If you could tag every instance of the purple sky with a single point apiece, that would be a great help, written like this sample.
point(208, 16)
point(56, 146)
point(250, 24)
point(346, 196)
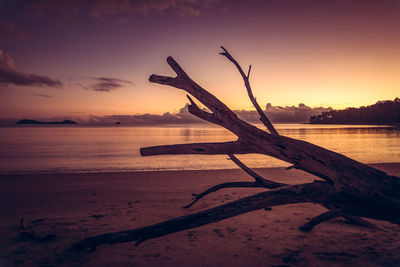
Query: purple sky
point(71, 59)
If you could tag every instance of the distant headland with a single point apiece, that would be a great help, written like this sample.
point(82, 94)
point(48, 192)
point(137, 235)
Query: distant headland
point(381, 113)
point(25, 121)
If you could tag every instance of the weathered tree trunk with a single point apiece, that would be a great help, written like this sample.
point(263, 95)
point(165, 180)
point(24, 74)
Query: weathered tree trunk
point(350, 189)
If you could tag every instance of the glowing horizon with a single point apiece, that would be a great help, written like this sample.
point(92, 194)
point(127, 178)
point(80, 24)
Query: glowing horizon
point(95, 60)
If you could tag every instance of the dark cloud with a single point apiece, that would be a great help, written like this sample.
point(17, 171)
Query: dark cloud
point(288, 114)
point(277, 114)
point(83, 86)
point(42, 95)
point(119, 8)
point(9, 30)
point(9, 75)
point(292, 114)
point(107, 84)
point(105, 87)
point(181, 117)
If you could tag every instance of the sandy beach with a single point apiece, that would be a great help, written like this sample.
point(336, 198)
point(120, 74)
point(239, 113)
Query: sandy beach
point(61, 209)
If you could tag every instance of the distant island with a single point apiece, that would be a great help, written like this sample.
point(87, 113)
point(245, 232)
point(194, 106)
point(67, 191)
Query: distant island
point(25, 121)
point(382, 112)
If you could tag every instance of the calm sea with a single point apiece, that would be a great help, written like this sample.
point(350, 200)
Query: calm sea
point(104, 149)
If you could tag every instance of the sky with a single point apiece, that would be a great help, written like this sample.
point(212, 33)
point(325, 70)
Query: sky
point(79, 59)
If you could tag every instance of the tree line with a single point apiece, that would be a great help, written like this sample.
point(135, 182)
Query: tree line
point(382, 112)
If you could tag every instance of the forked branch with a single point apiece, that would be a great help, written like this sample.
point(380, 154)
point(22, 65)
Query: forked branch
point(320, 219)
point(259, 179)
point(331, 214)
point(259, 182)
point(183, 81)
point(264, 119)
point(197, 197)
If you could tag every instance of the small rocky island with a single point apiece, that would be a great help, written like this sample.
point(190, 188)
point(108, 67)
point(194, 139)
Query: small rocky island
point(25, 121)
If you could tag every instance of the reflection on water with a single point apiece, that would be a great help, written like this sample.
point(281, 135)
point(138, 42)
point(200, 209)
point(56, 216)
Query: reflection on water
point(84, 149)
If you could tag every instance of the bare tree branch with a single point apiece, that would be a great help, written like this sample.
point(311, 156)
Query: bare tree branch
point(236, 147)
point(259, 182)
point(195, 110)
point(334, 214)
point(264, 119)
point(320, 219)
point(360, 221)
point(183, 81)
point(259, 179)
point(222, 186)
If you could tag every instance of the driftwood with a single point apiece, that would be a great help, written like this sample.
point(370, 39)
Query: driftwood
point(347, 188)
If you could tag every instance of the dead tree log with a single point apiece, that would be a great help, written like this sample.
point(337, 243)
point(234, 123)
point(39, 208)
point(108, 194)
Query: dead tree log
point(349, 188)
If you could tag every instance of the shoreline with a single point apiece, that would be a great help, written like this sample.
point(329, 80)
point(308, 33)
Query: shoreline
point(62, 209)
point(375, 165)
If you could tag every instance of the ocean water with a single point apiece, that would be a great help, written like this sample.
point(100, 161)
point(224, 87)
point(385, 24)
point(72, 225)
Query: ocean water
point(105, 149)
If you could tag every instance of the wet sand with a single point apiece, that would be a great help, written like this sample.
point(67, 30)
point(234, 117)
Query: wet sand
point(60, 209)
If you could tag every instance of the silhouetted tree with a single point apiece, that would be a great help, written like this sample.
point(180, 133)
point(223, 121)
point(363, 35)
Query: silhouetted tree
point(383, 112)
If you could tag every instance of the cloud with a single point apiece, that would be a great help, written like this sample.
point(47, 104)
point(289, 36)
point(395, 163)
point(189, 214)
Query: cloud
point(107, 84)
point(289, 114)
point(143, 119)
point(9, 75)
point(9, 30)
point(277, 114)
point(42, 95)
point(119, 8)
point(83, 86)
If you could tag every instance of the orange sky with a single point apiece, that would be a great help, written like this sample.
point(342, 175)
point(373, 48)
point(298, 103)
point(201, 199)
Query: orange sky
point(319, 53)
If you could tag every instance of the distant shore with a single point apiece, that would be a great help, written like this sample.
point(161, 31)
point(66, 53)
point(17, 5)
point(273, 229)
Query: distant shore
point(35, 122)
point(60, 209)
point(34, 174)
point(372, 124)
